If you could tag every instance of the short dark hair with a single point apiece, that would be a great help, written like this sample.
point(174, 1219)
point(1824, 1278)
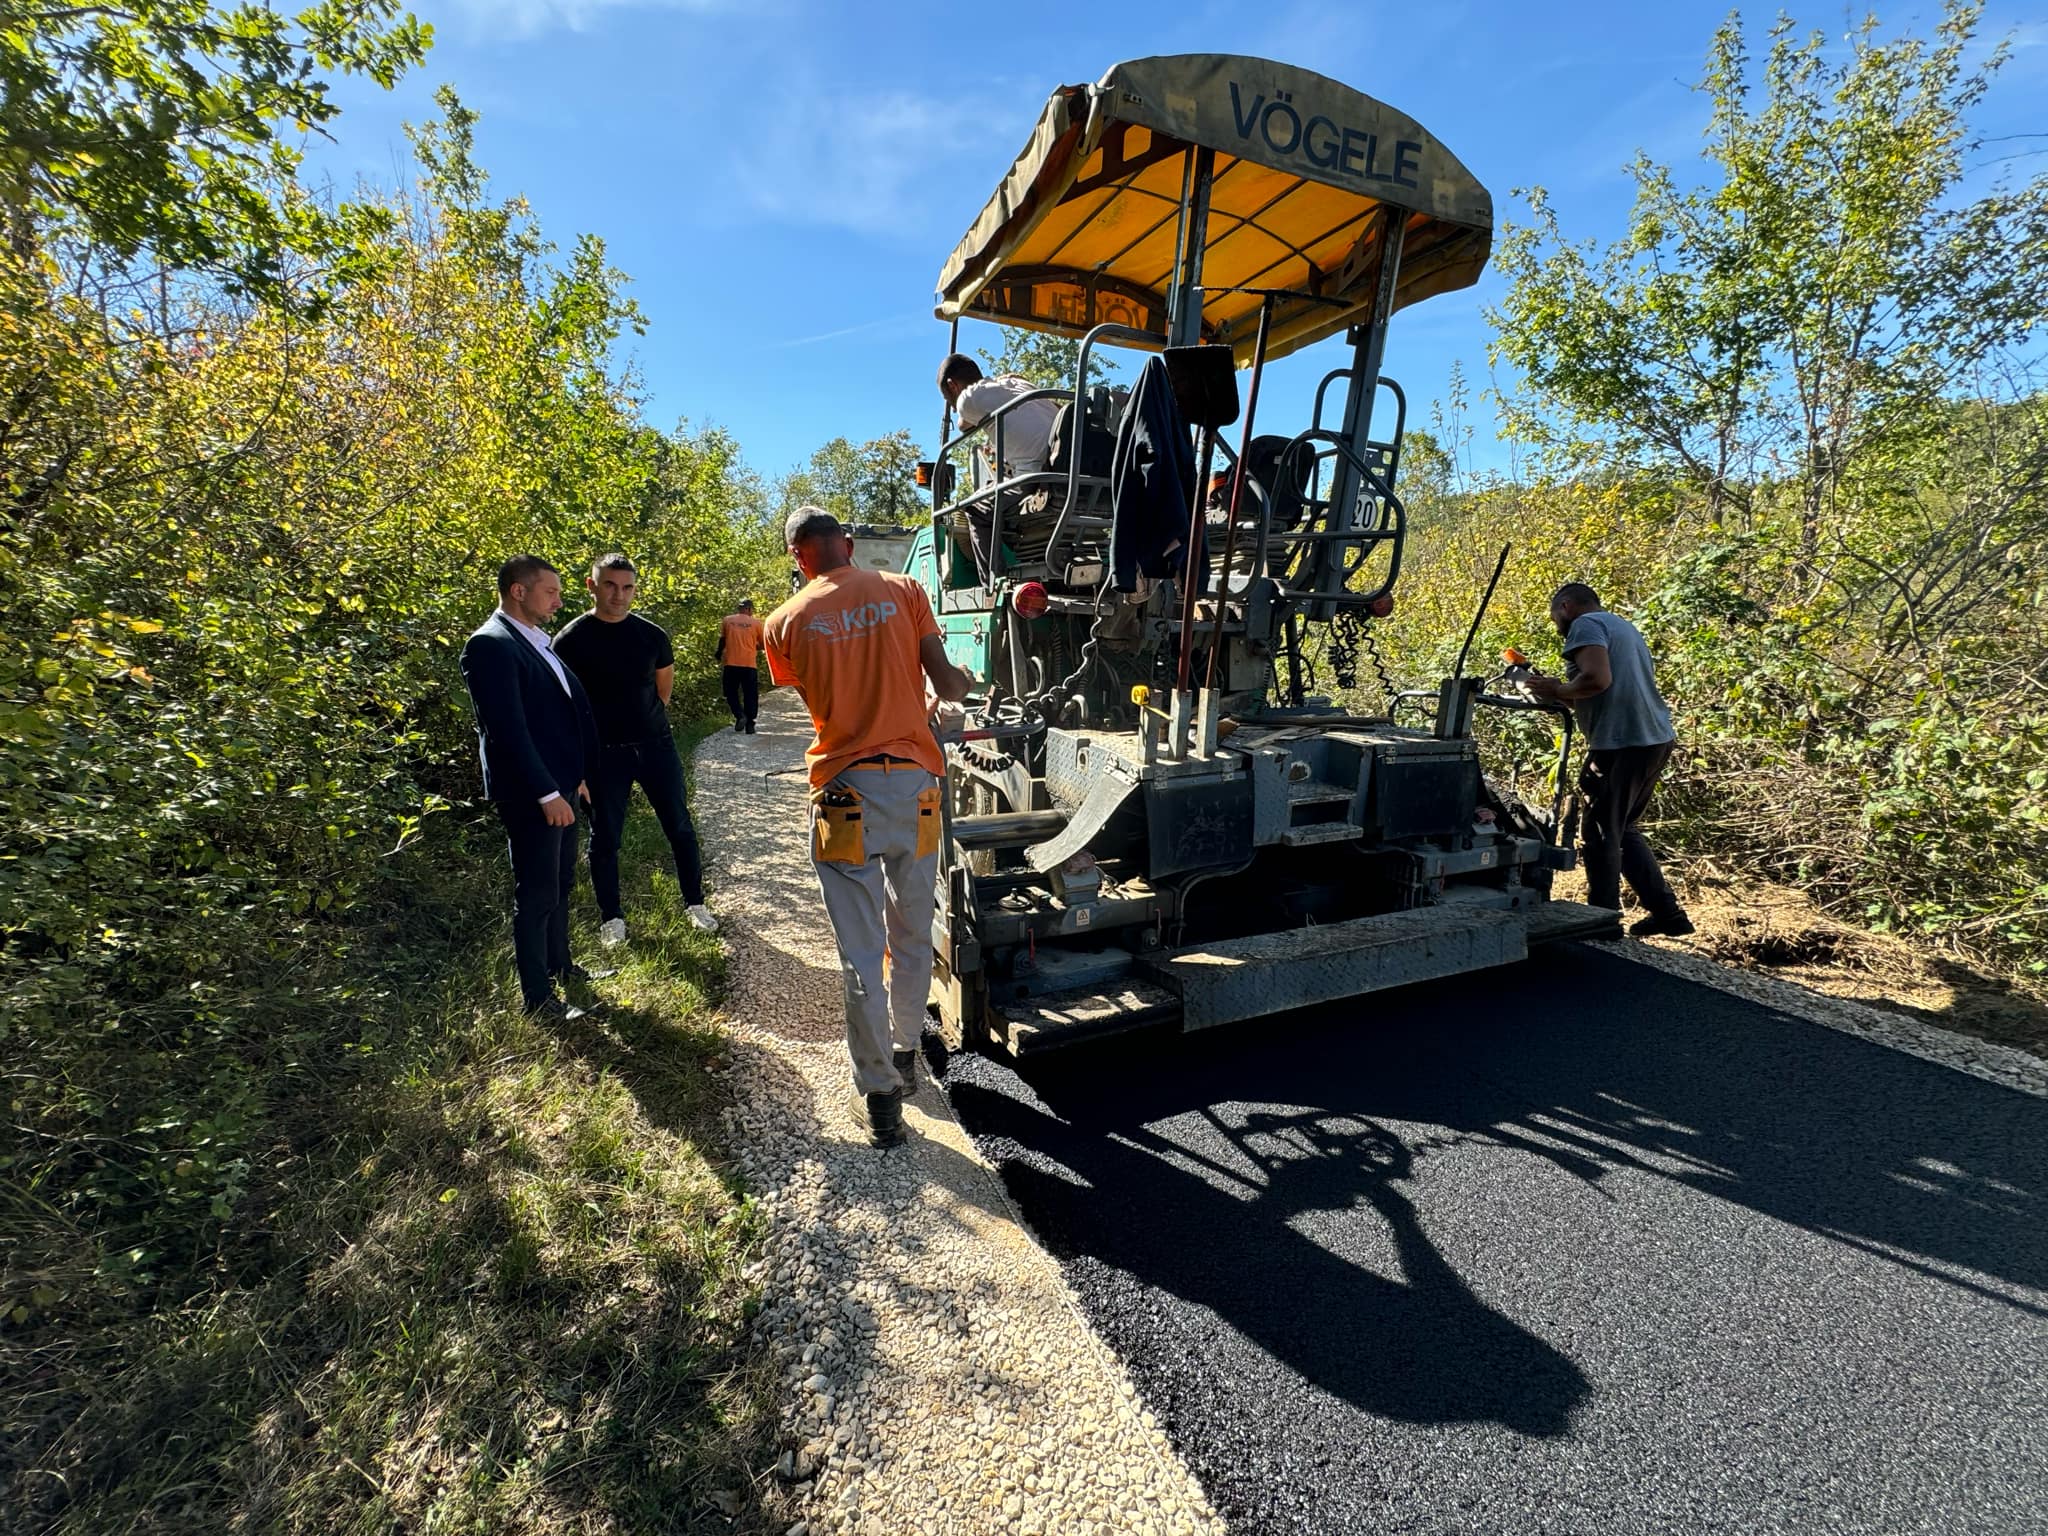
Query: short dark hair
point(613, 562)
point(1576, 592)
point(520, 570)
point(746, 603)
point(809, 523)
point(958, 366)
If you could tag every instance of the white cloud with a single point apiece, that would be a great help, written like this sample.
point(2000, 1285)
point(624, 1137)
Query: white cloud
point(529, 18)
point(865, 162)
point(865, 328)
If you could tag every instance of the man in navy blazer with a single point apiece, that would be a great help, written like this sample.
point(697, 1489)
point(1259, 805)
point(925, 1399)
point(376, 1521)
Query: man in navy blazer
point(538, 736)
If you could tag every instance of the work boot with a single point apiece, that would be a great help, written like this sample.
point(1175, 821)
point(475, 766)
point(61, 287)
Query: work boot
point(750, 727)
point(906, 1068)
point(739, 728)
point(1672, 925)
point(880, 1115)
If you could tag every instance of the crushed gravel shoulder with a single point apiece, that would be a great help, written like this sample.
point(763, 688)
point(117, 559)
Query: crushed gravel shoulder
point(937, 1374)
point(1995, 1063)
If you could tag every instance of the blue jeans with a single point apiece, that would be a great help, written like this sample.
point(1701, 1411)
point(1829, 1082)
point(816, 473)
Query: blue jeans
point(654, 766)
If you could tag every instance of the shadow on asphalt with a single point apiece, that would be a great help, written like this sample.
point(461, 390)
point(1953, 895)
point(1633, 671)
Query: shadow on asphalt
point(1197, 1164)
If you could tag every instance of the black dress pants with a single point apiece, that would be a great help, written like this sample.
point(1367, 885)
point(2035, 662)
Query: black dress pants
point(656, 768)
point(743, 694)
point(543, 874)
point(1616, 785)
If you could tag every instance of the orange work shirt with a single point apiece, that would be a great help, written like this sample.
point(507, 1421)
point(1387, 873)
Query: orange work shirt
point(741, 633)
point(849, 643)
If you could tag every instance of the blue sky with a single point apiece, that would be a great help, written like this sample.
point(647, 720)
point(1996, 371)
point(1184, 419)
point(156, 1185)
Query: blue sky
point(784, 178)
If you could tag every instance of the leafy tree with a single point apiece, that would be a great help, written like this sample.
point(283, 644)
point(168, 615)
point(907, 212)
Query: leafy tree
point(1805, 309)
point(1048, 361)
point(241, 540)
point(871, 482)
point(155, 125)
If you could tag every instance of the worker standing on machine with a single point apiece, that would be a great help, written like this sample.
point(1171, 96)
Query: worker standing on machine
point(859, 646)
point(1611, 685)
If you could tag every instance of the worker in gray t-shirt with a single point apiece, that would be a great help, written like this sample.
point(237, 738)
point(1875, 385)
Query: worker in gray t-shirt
point(1611, 686)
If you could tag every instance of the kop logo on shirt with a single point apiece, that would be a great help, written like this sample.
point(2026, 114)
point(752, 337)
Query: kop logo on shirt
point(850, 623)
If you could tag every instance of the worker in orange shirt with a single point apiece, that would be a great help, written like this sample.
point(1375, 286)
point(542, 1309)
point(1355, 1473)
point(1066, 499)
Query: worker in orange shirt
point(860, 646)
point(739, 646)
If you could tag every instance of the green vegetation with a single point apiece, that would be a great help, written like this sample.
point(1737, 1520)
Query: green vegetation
point(871, 482)
point(1048, 361)
point(298, 1229)
point(1793, 423)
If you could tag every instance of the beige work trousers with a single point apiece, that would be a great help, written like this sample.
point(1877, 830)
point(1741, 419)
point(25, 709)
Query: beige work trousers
point(881, 909)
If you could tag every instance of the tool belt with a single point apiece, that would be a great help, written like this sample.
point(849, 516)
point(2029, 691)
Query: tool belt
point(837, 836)
point(838, 820)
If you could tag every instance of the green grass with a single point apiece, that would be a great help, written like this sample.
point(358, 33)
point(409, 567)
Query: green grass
point(486, 1277)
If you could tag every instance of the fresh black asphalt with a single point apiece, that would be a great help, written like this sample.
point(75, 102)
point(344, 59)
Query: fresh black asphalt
point(1571, 1247)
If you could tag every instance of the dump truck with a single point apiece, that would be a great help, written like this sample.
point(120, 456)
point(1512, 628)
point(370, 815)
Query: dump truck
point(1157, 815)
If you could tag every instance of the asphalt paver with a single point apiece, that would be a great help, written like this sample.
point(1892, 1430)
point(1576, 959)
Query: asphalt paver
point(1575, 1246)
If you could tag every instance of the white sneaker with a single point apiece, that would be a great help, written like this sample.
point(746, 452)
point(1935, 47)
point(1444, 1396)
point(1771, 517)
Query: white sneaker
point(701, 919)
point(612, 933)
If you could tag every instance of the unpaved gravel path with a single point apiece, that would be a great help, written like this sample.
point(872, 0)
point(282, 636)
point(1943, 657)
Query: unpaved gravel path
point(938, 1376)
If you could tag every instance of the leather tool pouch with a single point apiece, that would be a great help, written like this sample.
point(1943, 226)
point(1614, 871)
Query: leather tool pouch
point(929, 821)
point(836, 832)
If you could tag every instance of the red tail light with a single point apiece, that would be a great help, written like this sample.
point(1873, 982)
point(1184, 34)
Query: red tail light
point(1031, 600)
point(1381, 606)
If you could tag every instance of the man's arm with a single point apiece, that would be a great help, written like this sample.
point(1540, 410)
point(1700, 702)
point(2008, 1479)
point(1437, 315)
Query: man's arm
point(1596, 676)
point(948, 681)
point(593, 744)
point(492, 677)
point(664, 659)
point(781, 672)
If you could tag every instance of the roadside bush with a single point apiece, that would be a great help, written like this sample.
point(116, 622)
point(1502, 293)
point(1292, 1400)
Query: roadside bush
point(242, 538)
point(1791, 422)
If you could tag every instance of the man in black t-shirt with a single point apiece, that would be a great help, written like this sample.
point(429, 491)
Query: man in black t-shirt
point(628, 668)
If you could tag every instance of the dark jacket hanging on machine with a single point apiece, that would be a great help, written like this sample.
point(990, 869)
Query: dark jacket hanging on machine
point(1151, 484)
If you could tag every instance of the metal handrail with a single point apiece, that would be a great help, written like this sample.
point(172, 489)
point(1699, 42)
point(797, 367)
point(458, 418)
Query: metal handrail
point(999, 484)
point(1076, 396)
point(1371, 482)
point(1107, 331)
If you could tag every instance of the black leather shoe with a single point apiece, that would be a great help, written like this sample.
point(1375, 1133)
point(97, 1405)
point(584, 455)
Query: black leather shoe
point(750, 727)
point(906, 1068)
point(880, 1115)
point(1672, 925)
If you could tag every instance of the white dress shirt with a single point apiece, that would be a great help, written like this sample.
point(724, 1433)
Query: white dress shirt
point(539, 641)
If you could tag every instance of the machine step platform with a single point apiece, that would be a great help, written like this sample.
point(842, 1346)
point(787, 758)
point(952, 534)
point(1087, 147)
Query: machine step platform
point(1265, 973)
point(1060, 1018)
point(1551, 921)
point(1221, 983)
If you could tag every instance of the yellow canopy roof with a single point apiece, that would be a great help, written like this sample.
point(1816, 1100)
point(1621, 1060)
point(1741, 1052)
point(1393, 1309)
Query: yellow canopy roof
point(1082, 229)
